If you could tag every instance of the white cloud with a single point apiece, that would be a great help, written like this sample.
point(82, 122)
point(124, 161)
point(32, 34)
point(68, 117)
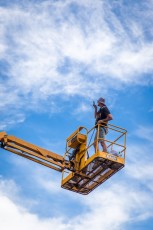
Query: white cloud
point(14, 216)
point(114, 207)
point(83, 108)
point(10, 120)
point(139, 166)
point(11, 190)
point(52, 54)
point(108, 208)
point(50, 182)
point(70, 48)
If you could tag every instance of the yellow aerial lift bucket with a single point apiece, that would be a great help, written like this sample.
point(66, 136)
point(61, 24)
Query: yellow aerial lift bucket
point(90, 167)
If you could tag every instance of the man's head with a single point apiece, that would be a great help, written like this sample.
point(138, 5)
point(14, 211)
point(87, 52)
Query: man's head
point(101, 101)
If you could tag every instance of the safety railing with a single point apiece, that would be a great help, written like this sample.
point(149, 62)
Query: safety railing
point(115, 139)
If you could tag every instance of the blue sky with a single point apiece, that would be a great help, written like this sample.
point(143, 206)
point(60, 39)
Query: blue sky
point(56, 57)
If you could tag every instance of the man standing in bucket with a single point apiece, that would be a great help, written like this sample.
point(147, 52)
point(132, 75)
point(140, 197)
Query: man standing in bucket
point(102, 117)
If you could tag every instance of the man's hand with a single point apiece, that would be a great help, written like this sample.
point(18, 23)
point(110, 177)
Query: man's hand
point(95, 106)
point(100, 121)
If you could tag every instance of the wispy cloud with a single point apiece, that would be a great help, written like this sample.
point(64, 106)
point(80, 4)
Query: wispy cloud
point(49, 53)
point(140, 165)
point(10, 119)
point(115, 203)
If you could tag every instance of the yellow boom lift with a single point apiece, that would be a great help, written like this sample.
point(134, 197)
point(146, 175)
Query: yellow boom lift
point(83, 166)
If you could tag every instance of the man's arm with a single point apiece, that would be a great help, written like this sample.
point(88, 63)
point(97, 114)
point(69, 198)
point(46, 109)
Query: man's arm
point(95, 113)
point(108, 118)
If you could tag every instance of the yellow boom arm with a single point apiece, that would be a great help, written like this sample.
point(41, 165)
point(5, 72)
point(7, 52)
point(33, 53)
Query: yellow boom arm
point(33, 152)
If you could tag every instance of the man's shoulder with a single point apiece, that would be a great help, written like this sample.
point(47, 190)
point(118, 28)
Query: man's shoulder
point(105, 109)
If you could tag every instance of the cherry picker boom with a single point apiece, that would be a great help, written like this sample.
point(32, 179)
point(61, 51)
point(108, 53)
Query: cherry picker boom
point(82, 171)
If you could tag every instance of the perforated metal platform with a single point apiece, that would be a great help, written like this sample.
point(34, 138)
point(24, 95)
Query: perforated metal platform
point(97, 170)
